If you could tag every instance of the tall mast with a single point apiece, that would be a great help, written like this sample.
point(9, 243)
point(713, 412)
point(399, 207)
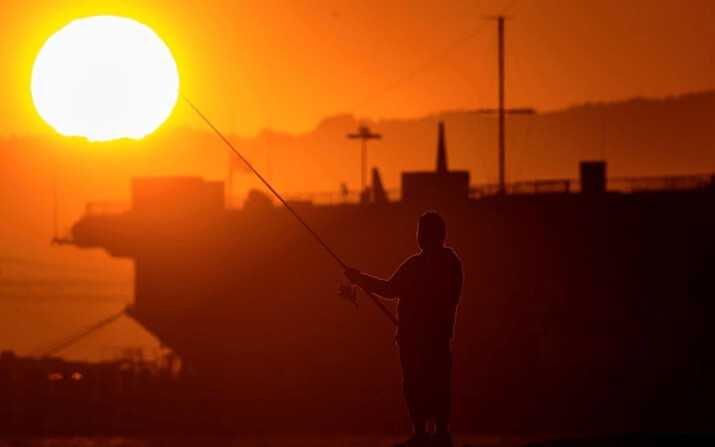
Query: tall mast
point(502, 111)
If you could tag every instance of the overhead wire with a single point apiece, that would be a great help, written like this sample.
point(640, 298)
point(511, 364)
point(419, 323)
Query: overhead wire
point(429, 62)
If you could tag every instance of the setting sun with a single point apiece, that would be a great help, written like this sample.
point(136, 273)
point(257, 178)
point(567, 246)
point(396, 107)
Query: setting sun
point(105, 78)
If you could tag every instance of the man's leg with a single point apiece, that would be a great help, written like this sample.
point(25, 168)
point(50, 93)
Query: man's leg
point(413, 386)
point(440, 378)
point(419, 425)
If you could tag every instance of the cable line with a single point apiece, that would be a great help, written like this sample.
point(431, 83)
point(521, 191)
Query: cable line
point(62, 345)
point(430, 62)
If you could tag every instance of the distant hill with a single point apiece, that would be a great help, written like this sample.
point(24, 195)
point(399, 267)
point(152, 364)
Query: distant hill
point(639, 137)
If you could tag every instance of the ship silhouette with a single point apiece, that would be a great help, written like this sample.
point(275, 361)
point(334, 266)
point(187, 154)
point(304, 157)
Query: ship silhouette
point(585, 309)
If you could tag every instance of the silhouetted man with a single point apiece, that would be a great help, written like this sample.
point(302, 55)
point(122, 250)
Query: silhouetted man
point(428, 285)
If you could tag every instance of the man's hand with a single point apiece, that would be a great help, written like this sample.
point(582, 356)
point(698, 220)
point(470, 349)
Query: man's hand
point(354, 275)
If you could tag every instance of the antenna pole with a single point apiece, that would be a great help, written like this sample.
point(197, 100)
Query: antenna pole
point(364, 134)
point(502, 111)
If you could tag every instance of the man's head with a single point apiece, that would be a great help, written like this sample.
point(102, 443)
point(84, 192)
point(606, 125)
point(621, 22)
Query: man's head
point(431, 231)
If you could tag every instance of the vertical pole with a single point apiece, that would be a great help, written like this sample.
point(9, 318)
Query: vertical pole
point(502, 187)
point(364, 164)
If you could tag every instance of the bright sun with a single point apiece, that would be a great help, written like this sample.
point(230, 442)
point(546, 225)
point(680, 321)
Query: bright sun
point(105, 78)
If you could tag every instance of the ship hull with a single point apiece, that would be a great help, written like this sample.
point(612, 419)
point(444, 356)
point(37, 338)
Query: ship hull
point(579, 312)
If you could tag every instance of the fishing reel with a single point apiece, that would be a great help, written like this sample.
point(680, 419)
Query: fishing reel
point(348, 291)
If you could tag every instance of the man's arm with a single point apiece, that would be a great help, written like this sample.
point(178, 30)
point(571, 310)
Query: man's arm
point(384, 288)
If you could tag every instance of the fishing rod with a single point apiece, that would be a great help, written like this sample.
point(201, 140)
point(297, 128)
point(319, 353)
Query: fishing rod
point(315, 235)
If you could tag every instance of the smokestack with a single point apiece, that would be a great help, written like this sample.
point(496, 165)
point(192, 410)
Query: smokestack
point(378, 191)
point(441, 151)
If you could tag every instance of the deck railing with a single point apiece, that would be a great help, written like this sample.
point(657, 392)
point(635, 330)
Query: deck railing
point(655, 184)
point(626, 185)
point(521, 188)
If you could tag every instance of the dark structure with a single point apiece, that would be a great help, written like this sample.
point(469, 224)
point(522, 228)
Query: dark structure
point(52, 396)
point(593, 177)
point(441, 186)
point(581, 311)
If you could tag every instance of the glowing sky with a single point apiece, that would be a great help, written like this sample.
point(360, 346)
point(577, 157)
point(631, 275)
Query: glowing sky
point(287, 65)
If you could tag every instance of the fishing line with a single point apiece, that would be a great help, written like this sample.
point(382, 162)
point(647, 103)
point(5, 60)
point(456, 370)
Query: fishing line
point(288, 207)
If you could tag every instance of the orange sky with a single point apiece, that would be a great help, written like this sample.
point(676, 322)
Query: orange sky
point(287, 65)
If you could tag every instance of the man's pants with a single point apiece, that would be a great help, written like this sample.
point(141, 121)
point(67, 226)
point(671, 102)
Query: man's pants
point(426, 379)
